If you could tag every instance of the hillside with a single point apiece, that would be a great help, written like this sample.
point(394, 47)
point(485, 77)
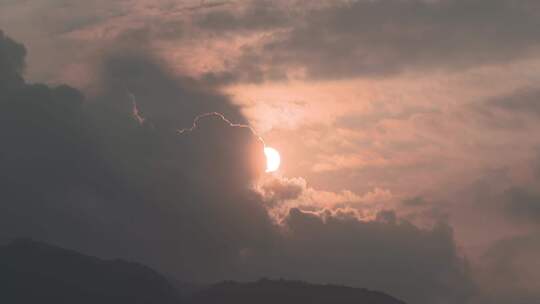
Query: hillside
point(287, 292)
point(33, 272)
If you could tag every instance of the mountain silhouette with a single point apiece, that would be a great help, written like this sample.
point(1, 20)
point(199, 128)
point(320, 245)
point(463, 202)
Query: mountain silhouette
point(35, 272)
point(287, 292)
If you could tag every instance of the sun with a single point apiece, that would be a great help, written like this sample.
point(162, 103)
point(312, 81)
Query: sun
point(272, 159)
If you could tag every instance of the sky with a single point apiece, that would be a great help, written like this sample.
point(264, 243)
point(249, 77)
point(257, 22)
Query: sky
point(406, 128)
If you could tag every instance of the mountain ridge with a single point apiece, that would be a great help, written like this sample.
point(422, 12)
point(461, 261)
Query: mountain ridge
point(32, 272)
point(266, 291)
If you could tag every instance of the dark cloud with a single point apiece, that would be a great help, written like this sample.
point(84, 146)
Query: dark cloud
point(255, 16)
point(524, 101)
point(522, 204)
point(167, 99)
point(248, 68)
point(11, 61)
point(233, 155)
point(509, 271)
point(535, 166)
point(414, 202)
point(78, 170)
point(378, 38)
point(385, 254)
point(321, 39)
point(137, 172)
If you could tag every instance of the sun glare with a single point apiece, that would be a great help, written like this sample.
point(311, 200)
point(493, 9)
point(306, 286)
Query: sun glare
point(272, 159)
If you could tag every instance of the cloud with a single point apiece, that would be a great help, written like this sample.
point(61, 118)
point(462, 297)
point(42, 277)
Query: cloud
point(11, 61)
point(178, 192)
point(522, 101)
point(233, 152)
point(79, 169)
point(345, 39)
point(282, 194)
point(282, 189)
point(252, 16)
point(123, 165)
point(384, 254)
point(162, 96)
point(254, 41)
point(414, 202)
point(522, 204)
point(509, 270)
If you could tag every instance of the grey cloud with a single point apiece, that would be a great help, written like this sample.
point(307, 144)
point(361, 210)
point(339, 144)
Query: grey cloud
point(536, 165)
point(12, 56)
point(415, 201)
point(163, 97)
point(509, 272)
point(378, 38)
point(255, 16)
point(248, 68)
point(386, 254)
point(88, 175)
point(75, 171)
point(522, 204)
point(386, 216)
point(524, 101)
point(235, 153)
point(328, 40)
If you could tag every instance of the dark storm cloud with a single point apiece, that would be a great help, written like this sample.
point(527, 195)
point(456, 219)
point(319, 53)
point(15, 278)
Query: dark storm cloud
point(522, 204)
point(385, 254)
point(332, 245)
point(161, 96)
point(376, 38)
point(89, 175)
point(323, 39)
point(11, 61)
point(138, 173)
point(224, 155)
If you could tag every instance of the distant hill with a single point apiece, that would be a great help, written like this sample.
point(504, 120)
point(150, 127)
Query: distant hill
point(33, 272)
point(287, 292)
